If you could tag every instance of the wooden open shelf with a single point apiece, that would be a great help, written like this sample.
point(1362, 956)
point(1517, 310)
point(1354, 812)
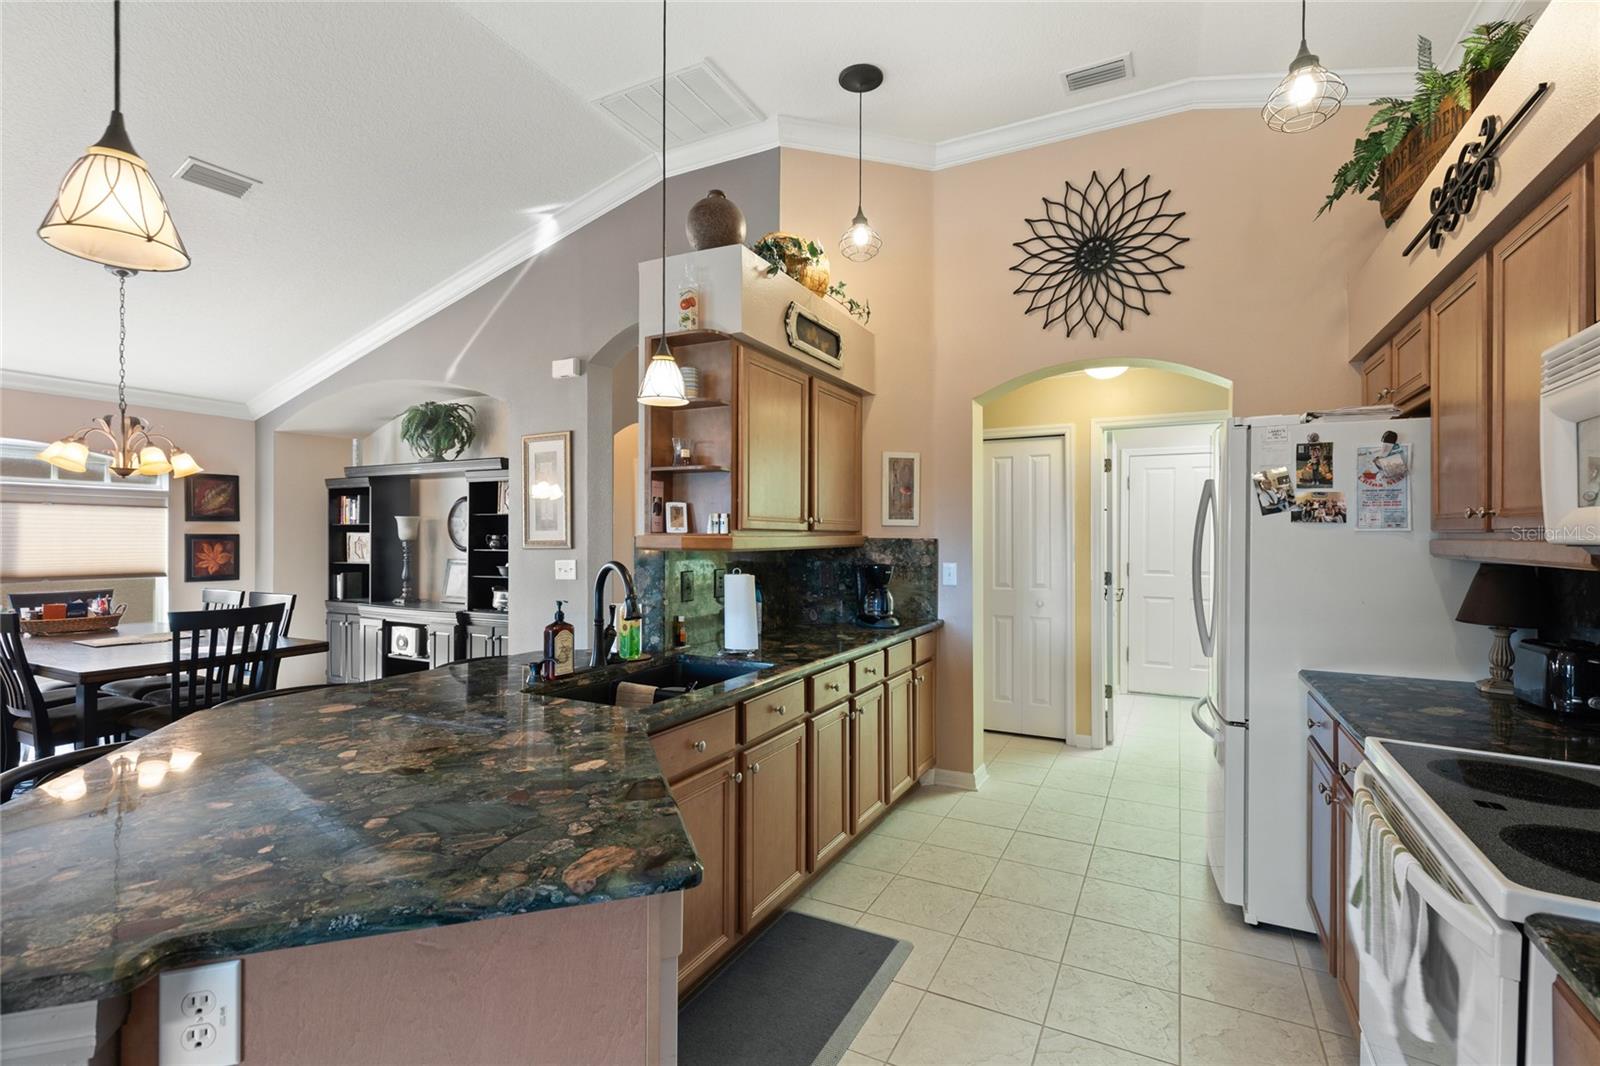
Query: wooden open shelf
point(691, 468)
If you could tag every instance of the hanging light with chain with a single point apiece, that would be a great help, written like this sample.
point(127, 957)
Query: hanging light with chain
point(860, 242)
point(663, 378)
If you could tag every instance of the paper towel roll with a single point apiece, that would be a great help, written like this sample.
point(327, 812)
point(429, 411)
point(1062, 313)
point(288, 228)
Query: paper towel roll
point(739, 630)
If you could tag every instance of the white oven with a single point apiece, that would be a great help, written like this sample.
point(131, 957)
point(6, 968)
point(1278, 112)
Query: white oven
point(1569, 439)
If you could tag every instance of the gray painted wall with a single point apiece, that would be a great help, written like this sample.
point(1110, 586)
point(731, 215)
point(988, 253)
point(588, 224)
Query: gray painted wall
point(574, 299)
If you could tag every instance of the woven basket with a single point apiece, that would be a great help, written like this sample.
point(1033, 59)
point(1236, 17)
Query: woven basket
point(57, 627)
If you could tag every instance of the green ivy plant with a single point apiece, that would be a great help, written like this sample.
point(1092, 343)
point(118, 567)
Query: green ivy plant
point(439, 431)
point(777, 251)
point(1487, 48)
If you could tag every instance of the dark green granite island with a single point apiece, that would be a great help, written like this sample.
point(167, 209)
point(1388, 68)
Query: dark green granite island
point(1573, 947)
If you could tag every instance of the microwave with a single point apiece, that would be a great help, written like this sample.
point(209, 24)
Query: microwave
point(1569, 439)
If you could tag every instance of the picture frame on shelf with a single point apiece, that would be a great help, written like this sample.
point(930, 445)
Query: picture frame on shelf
point(677, 517)
point(455, 581)
point(358, 547)
point(211, 498)
point(503, 498)
point(211, 556)
point(902, 488)
point(547, 490)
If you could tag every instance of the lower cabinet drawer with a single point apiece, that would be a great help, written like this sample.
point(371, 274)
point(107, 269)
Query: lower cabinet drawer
point(925, 646)
point(687, 747)
point(781, 707)
point(1319, 727)
point(830, 687)
point(899, 656)
point(867, 671)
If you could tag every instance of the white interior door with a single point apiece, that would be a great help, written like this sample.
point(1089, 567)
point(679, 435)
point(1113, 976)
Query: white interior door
point(1027, 593)
point(1161, 645)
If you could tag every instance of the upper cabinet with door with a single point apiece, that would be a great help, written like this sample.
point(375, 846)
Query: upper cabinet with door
point(1458, 325)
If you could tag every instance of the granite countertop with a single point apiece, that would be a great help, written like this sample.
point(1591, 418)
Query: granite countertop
point(446, 796)
point(1573, 947)
point(1451, 714)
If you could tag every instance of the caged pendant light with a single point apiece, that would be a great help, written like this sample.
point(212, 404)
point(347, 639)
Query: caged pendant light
point(663, 378)
point(108, 209)
point(860, 242)
point(1308, 95)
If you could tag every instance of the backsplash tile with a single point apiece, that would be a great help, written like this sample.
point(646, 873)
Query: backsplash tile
point(1572, 605)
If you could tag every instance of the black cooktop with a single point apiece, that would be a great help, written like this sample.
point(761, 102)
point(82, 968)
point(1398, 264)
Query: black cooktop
point(1538, 822)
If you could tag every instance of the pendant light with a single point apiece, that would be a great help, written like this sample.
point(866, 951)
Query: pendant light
point(860, 242)
point(135, 449)
point(663, 379)
point(1308, 96)
point(108, 209)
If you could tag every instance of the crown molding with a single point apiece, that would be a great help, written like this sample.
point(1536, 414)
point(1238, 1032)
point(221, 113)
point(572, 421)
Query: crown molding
point(50, 385)
point(809, 136)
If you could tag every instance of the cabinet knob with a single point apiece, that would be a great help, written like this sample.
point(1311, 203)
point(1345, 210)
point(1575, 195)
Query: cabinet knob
point(1491, 512)
point(755, 768)
point(832, 686)
point(780, 709)
point(738, 779)
point(869, 671)
point(1311, 723)
point(1327, 798)
point(1322, 787)
point(699, 745)
point(1345, 769)
point(1467, 513)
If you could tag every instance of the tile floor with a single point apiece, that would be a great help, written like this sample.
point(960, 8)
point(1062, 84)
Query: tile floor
point(1063, 914)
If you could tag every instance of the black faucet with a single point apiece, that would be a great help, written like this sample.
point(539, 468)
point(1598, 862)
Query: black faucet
point(630, 607)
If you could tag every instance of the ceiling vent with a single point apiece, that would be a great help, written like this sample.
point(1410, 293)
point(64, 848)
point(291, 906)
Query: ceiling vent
point(214, 177)
point(1101, 73)
point(701, 103)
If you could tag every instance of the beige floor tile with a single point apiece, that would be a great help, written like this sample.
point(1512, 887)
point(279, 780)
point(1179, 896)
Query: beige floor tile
point(1012, 753)
point(1308, 951)
point(1142, 771)
point(1327, 1005)
point(1060, 824)
point(946, 866)
point(1035, 886)
point(1147, 754)
point(1222, 926)
point(1245, 981)
point(1067, 1049)
point(1131, 812)
point(1144, 792)
point(888, 1019)
point(850, 886)
point(1192, 780)
point(831, 911)
point(1107, 1009)
point(993, 977)
point(1219, 1035)
point(1192, 849)
point(1340, 1050)
point(1136, 908)
point(931, 799)
point(1196, 882)
point(927, 947)
point(974, 808)
point(924, 903)
point(855, 1058)
point(988, 840)
point(907, 825)
point(880, 851)
point(1022, 773)
point(1137, 838)
point(1080, 803)
point(1107, 754)
point(1076, 779)
point(1192, 822)
point(1045, 744)
point(1018, 926)
point(1194, 800)
point(948, 1032)
point(1131, 954)
point(1007, 792)
point(1131, 868)
point(1068, 856)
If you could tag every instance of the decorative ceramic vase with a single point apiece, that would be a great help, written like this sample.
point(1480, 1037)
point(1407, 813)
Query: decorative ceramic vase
point(813, 275)
point(715, 221)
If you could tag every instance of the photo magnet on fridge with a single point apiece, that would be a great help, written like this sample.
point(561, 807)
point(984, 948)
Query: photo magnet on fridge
point(1274, 489)
point(1313, 465)
point(1318, 508)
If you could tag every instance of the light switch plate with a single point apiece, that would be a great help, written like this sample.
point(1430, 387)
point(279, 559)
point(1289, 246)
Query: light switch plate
point(949, 573)
point(200, 1016)
point(566, 569)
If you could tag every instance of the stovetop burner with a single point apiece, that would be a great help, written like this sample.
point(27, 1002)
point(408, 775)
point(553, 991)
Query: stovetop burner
point(1519, 781)
point(1576, 851)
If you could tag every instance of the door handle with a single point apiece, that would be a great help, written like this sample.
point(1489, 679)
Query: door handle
point(1194, 712)
point(1208, 502)
point(1120, 592)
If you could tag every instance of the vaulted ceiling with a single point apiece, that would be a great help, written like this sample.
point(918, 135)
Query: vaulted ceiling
point(400, 144)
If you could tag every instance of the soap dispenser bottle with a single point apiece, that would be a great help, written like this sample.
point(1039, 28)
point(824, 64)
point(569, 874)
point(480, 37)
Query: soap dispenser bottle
point(558, 644)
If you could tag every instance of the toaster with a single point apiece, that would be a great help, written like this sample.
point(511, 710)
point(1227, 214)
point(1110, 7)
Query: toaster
point(1562, 676)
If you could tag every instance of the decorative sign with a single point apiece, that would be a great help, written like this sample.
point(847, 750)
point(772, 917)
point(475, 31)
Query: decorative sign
point(1472, 172)
point(808, 334)
point(1098, 252)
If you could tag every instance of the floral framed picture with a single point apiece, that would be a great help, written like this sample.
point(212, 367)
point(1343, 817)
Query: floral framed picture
point(211, 498)
point(547, 490)
point(902, 488)
point(211, 556)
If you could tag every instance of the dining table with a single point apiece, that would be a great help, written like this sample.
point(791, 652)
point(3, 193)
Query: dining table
point(90, 666)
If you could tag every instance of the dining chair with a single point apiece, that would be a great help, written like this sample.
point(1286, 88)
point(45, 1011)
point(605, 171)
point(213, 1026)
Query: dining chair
point(218, 654)
point(45, 724)
point(143, 688)
point(267, 694)
point(36, 772)
point(55, 691)
point(263, 599)
point(221, 599)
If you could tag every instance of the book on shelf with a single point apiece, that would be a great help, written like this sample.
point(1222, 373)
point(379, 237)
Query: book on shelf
point(349, 586)
point(349, 510)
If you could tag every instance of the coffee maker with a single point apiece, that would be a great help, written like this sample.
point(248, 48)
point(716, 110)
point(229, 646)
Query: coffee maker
point(877, 604)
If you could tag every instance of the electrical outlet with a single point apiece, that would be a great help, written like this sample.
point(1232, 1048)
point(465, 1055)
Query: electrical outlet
point(949, 573)
point(685, 585)
point(200, 1015)
point(566, 569)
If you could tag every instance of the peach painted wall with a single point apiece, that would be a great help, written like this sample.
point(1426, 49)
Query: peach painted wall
point(1077, 400)
point(221, 445)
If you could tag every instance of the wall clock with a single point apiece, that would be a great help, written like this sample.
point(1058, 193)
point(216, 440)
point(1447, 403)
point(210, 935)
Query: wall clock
point(457, 523)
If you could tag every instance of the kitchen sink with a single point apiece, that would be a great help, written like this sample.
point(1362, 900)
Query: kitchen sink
point(676, 677)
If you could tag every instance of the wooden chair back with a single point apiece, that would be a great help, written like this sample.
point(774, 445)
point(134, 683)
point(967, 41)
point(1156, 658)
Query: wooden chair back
point(264, 599)
point(21, 694)
point(221, 653)
point(221, 599)
point(19, 600)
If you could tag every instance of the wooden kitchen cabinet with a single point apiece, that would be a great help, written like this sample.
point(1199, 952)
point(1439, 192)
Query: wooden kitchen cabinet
point(1408, 359)
point(1377, 377)
point(924, 717)
point(835, 458)
point(869, 798)
point(1539, 295)
point(1459, 352)
point(708, 802)
point(772, 846)
point(1574, 1031)
point(899, 753)
point(828, 743)
point(1346, 964)
point(774, 444)
point(1321, 851)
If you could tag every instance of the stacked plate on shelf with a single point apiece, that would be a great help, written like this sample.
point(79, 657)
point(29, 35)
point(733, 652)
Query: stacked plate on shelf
point(691, 382)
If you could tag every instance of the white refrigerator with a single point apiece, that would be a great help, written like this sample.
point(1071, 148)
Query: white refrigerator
point(1294, 595)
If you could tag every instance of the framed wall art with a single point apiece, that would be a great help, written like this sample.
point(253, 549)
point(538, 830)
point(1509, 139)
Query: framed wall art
point(211, 557)
point(455, 581)
point(211, 498)
point(547, 490)
point(902, 488)
point(677, 517)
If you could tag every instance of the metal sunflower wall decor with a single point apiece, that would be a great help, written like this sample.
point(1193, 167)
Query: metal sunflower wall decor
point(1098, 253)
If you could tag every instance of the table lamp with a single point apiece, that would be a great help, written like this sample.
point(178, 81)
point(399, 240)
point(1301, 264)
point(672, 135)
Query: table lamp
point(1500, 597)
point(406, 527)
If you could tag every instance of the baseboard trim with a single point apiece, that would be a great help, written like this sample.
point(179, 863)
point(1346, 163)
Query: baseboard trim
point(957, 779)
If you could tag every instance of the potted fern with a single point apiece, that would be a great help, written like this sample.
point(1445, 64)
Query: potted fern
point(438, 431)
point(1405, 138)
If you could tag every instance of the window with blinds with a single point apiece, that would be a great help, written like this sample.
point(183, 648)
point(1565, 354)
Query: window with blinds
point(56, 524)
